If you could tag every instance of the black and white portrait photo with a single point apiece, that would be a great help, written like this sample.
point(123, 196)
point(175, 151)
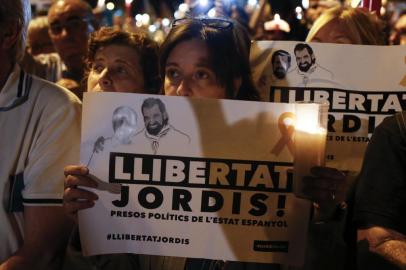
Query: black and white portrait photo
point(308, 68)
point(158, 134)
point(281, 60)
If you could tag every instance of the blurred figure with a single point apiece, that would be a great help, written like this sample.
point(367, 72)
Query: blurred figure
point(258, 18)
point(380, 202)
point(38, 40)
point(70, 23)
point(46, 66)
point(276, 29)
point(40, 131)
point(72, 86)
point(40, 58)
point(316, 9)
point(347, 25)
point(398, 33)
point(118, 21)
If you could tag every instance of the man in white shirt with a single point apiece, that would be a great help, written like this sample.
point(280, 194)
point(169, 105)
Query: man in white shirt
point(40, 134)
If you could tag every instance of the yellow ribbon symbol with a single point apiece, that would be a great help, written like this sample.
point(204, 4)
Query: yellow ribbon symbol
point(286, 130)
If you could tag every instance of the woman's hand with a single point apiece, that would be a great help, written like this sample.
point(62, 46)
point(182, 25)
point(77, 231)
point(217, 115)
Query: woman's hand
point(327, 188)
point(75, 198)
point(325, 185)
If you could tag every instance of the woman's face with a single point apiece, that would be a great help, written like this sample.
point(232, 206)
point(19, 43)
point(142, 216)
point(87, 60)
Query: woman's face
point(188, 72)
point(333, 32)
point(116, 68)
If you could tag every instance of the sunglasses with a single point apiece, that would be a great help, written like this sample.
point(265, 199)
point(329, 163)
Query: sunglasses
point(217, 23)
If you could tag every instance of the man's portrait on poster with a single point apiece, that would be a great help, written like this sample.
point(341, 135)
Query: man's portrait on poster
point(157, 131)
point(154, 134)
point(309, 70)
point(281, 62)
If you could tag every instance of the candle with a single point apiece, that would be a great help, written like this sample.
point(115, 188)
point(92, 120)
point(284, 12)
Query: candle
point(309, 141)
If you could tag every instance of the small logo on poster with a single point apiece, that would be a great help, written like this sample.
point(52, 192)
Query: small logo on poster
point(271, 246)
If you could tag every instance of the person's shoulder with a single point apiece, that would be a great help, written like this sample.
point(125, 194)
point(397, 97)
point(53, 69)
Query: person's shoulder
point(49, 93)
point(389, 125)
point(390, 130)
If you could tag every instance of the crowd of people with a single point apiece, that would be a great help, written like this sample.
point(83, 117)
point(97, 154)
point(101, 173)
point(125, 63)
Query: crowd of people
point(203, 57)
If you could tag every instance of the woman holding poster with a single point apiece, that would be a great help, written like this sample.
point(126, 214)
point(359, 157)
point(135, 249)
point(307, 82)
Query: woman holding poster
point(203, 58)
point(117, 61)
point(197, 65)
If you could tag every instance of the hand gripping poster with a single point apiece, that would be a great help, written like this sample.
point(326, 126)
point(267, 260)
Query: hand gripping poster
point(195, 178)
point(362, 85)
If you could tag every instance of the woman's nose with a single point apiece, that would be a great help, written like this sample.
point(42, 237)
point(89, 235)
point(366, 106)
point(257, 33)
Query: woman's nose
point(105, 79)
point(184, 88)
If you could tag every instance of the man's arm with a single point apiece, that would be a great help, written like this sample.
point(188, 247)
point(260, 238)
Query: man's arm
point(385, 242)
point(46, 230)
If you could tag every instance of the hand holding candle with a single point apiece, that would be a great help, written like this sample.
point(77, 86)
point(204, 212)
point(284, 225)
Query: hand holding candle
point(310, 141)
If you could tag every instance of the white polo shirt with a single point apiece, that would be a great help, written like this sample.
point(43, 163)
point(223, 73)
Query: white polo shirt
point(39, 135)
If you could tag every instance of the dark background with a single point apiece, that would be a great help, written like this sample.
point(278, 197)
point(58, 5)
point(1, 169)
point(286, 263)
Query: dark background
point(283, 7)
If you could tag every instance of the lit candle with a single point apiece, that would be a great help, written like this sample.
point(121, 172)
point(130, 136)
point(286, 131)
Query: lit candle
point(309, 141)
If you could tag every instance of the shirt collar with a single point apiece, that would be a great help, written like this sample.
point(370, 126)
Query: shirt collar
point(15, 90)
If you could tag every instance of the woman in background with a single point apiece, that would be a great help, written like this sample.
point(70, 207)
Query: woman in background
point(332, 244)
point(347, 25)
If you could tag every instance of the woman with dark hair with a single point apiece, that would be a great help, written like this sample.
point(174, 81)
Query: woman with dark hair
point(208, 58)
point(203, 58)
point(218, 50)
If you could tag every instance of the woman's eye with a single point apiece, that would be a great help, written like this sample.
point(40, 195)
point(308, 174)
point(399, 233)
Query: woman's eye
point(121, 70)
point(202, 75)
point(172, 73)
point(98, 68)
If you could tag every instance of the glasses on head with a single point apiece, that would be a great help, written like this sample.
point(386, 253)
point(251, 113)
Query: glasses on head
point(217, 23)
point(71, 25)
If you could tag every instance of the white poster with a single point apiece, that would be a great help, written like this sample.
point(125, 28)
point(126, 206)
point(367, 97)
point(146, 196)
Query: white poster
point(188, 177)
point(362, 84)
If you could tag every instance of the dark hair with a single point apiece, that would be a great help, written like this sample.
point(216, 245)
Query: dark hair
point(302, 46)
point(150, 102)
point(281, 53)
point(228, 49)
point(147, 51)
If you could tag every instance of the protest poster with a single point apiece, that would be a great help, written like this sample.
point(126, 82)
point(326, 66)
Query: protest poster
point(191, 178)
point(362, 84)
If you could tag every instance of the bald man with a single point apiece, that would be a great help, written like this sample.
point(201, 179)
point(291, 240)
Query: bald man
point(70, 24)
